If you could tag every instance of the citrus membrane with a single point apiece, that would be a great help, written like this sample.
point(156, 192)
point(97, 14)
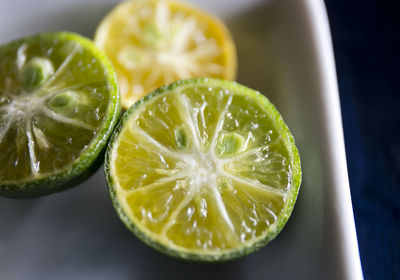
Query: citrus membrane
point(155, 42)
point(59, 103)
point(203, 169)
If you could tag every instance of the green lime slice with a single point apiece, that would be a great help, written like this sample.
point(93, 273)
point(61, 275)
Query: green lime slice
point(59, 103)
point(203, 169)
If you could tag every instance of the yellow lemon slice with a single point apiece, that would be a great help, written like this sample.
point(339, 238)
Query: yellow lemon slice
point(152, 43)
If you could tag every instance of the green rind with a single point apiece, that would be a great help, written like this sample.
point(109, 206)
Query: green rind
point(92, 158)
point(235, 253)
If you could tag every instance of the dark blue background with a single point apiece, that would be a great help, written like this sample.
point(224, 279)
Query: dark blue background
point(367, 52)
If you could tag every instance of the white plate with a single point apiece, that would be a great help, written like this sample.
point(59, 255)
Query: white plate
point(285, 51)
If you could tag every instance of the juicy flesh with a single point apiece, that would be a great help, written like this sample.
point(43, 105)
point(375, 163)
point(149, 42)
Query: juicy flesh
point(154, 43)
point(199, 197)
point(42, 131)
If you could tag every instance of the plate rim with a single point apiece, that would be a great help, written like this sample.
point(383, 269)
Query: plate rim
point(339, 196)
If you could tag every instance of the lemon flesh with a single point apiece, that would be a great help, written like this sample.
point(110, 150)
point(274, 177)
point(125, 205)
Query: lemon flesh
point(203, 169)
point(153, 43)
point(58, 105)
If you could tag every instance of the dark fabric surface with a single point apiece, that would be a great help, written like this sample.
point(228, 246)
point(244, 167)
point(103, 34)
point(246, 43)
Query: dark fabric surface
point(367, 51)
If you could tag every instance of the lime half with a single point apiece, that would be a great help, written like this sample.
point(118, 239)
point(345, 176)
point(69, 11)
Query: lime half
point(203, 169)
point(59, 103)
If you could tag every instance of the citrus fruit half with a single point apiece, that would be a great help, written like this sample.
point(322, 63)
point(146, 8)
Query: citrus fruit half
point(59, 103)
point(155, 42)
point(203, 169)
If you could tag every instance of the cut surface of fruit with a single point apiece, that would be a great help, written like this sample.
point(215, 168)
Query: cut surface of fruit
point(155, 42)
point(203, 169)
point(59, 103)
